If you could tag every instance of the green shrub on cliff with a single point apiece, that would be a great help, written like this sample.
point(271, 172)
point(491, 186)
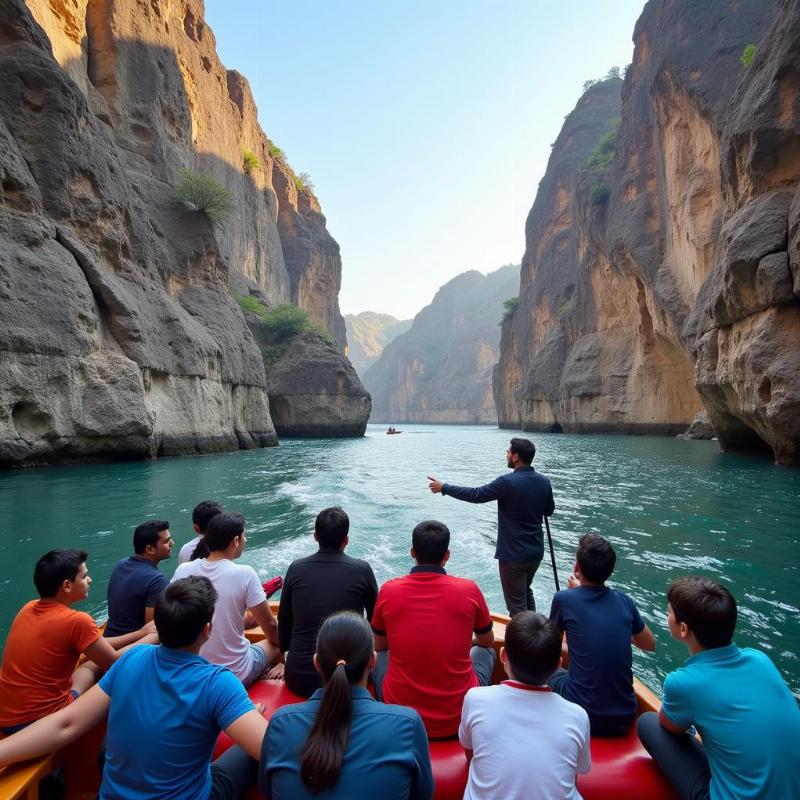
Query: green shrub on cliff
point(603, 153)
point(600, 194)
point(511, 305)
point(250, 161)
point(276, 152)
point(748, 54)
point(203, 194)
point(304, 183)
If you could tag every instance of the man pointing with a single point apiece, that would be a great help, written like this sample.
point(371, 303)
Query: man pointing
point(523, 498)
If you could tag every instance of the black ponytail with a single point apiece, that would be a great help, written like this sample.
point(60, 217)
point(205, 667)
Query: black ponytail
point(200, 550)
point(344, 648)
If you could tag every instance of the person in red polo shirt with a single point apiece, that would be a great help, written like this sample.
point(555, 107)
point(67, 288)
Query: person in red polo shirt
point(438, 632)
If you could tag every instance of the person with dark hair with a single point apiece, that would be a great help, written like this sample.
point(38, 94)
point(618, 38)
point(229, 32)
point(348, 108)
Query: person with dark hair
point(202, 514)
point(737, 700)
point(317, 586)
point(136, 582)
point(601, 624)
point(341, 743)
point(524, 497)
point(520, 734)
point(242, 602)
point(166, 706)
point(433, 634)
point(40, 672)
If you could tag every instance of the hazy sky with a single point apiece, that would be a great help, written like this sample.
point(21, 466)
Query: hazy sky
point(424, 124)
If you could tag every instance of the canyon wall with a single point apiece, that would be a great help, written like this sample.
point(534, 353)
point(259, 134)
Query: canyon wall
point(119, 334)
point(368, 334)
point(672, 286)
point(440, 370)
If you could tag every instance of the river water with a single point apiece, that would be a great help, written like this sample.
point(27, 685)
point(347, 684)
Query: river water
point(669, 507)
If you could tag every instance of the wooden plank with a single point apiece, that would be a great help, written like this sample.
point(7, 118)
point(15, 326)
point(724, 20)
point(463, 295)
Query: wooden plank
point(22, 780)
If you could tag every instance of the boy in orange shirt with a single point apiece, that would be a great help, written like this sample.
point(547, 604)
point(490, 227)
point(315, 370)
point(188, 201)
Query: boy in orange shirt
point(40, 672)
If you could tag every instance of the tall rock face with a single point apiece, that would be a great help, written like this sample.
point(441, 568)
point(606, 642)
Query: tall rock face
point(685, 289)
point(368, 334)
point(119, 336)
point(440, 370)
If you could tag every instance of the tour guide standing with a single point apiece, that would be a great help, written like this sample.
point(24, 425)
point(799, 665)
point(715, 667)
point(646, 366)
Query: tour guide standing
point(523, 498)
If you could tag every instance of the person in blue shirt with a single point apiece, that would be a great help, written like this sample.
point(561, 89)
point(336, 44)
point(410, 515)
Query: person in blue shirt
point(341, 743)
point(735, 697)
point(524, 497)
point(166, 706)
point(600, 624)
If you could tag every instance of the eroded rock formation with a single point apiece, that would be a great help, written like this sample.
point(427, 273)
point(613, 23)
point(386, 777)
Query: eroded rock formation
point(685, 282)
point(440, 370)
point(368, 334)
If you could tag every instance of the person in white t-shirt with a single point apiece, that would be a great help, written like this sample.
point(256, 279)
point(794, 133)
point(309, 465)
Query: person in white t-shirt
point(523, 740)
point(202, 514)
point(242, 602)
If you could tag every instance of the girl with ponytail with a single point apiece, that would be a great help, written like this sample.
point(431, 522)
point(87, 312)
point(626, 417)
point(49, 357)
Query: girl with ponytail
point(341, 743)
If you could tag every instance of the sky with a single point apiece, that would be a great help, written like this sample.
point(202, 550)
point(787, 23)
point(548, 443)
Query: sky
point(425, 124)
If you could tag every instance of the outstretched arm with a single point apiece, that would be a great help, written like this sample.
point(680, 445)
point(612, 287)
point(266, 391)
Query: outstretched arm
point(480, 494)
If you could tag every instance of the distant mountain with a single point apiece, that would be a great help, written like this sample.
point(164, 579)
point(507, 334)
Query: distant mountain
point(368, 334)
point(440, 370)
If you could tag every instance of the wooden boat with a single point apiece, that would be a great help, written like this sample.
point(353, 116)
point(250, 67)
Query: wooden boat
point(621, 768)
point(392, 433)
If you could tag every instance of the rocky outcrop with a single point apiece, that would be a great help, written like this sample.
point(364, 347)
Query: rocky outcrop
point(685, 294)
point(119, 336)
point(314, 391)
point(700, 428)
point(368, 334)
point(440, 370)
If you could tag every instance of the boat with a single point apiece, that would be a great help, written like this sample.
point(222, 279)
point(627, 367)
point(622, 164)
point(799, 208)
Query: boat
point(392, 432)
point(621, 767)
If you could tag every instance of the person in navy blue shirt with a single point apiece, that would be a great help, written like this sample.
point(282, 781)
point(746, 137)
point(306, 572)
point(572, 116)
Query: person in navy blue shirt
point(524, 497)
point(600, 623)
point(341, 743)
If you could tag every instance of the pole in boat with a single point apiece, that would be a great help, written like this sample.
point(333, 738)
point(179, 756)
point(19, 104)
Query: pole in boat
point(552, 553)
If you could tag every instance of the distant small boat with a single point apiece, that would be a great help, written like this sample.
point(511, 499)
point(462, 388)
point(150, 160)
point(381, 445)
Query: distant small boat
point(392, 431)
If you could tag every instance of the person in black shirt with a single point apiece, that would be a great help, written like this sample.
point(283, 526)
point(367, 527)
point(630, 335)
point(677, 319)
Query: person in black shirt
point(316, 587)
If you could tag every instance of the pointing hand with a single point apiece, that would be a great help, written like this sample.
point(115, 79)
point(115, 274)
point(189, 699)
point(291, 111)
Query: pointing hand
point(435, 485)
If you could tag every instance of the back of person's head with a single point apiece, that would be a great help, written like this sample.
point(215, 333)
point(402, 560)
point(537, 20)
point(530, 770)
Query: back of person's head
point(332, 526)
point(344, 648)
point(524, 449)
point(55, 567)
point(595, 557)
point(707, 608)
point(148, 534)
point(430, 540)
point(204, 512)
point(222, 530)
point(533, 647)
point(183, 610)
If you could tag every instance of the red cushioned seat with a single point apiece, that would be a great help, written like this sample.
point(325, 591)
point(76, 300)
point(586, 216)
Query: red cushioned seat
point(449, 764)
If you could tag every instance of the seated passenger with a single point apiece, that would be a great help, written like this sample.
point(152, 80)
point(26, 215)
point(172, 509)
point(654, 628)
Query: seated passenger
point(166, 706)
point(520, 734)
point(40, 672)
point(741, 706)
point(136, 582)
point(239, 589)
point(424, 624)
point(202, 514)
point(316, 587)
point(600, 624)
point(341, 743)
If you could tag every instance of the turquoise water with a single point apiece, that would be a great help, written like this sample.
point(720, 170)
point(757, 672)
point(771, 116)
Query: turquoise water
point(669, 507)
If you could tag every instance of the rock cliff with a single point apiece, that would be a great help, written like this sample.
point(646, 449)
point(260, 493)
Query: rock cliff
point(440, 370)
point(681, 250)
point(119, 336)
point(368, 334)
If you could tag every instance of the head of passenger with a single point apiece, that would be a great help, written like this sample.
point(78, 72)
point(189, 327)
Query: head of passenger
point(203, 513)
point(183, 612)
point(345, 654)
point(532, 650)
point(520, 453)
point(594, 559)
point(152, 540)
point(702, 608)
point(226, 533)
point(331, 528)
point(62, 575)
point(430, 542)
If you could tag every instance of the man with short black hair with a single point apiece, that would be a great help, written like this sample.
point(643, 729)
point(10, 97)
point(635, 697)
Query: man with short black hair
point(166, 706)
point(202, 514)
point(433, 634)
point(520, 734)
point(136, 581)
point(737, 700)
point(316, 587)
point(524, 497)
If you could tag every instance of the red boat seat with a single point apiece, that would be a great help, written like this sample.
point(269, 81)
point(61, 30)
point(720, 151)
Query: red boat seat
point(621, 768)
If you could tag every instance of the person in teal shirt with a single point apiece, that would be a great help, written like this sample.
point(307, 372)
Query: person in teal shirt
point(747, 717)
